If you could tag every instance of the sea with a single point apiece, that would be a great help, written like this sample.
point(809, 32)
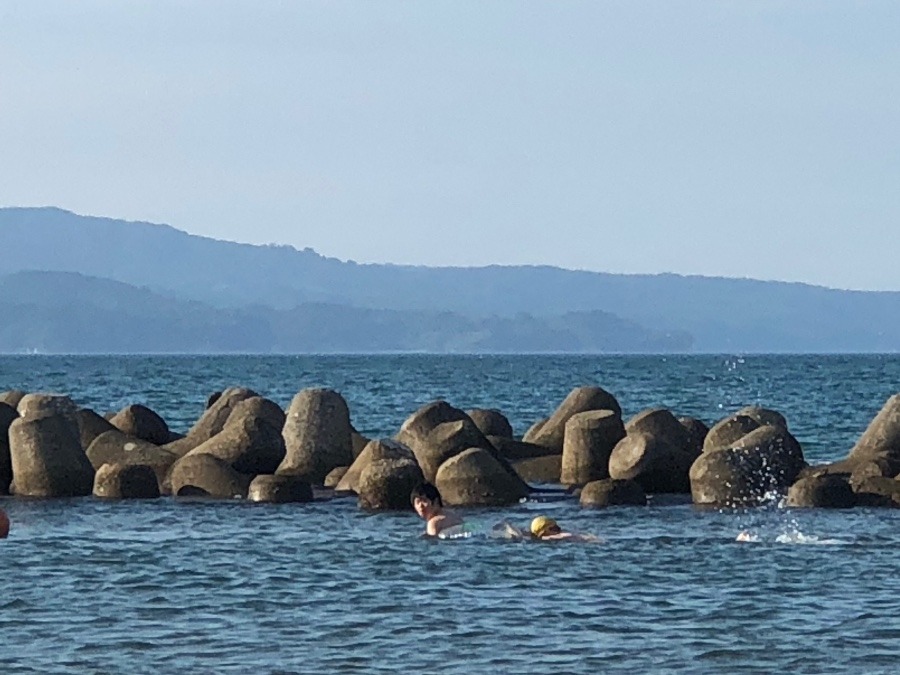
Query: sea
point(164, 586)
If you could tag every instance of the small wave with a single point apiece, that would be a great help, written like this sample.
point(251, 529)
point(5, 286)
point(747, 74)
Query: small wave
point(456, 535)
point(795, 537)
point(800, 538)
point(463, 531)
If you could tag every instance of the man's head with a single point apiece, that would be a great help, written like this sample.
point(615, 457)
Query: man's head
point(426, 500)
point(543, 526)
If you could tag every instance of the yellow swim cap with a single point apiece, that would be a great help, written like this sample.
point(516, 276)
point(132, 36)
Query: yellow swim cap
point(541, 524)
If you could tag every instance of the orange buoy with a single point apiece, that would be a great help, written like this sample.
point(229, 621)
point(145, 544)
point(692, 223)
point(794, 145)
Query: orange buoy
point(4, 524)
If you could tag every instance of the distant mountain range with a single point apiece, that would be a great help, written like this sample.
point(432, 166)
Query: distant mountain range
point(66, 312)
point(111, 285)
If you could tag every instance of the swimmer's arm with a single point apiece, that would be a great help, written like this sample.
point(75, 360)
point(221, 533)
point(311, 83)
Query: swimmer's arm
point(433, 527)
point(513, 531)
point(584, 538)
point(590, 538)
point(570, 536)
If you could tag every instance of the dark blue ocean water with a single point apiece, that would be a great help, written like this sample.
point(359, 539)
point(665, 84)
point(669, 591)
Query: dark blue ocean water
point(161, 586)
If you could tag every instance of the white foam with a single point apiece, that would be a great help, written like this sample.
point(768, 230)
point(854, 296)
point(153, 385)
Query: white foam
point(798, 537)
point(792, 537)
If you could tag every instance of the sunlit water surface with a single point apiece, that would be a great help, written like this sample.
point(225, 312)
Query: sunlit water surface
point(148, 587)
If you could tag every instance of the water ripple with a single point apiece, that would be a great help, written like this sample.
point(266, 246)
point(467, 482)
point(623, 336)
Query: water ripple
point(148, 587)
point(231, 588)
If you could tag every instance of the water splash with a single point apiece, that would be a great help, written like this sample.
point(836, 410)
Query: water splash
point(774, 522)
point(797, 537)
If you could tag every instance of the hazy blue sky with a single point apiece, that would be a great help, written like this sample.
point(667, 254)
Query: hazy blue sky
point(743, 138)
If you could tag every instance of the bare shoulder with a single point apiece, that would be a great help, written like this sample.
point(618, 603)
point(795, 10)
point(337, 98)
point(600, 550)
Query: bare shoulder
point(438, 524)
point(434, 526)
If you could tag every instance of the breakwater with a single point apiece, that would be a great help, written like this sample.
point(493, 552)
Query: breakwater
point(225, 586)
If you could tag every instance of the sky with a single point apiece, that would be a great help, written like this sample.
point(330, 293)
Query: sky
point(742, 139)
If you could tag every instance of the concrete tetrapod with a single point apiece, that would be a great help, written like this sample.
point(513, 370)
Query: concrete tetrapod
point(126, 481)
point(551, 432)
point(142, 422)
point(475, 478)
point(589, 441)
point(47, 458)
point(317, 435)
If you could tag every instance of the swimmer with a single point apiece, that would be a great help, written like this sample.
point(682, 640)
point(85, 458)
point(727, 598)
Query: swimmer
point(506, 530)
point(745, 535)
point(544, 528)
point(4, 524)
point(427, 502)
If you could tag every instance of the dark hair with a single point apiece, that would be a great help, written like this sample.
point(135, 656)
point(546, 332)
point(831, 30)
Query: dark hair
point(426, 491)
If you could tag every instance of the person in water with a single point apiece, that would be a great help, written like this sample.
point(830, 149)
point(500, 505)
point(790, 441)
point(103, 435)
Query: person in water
point(427, 502)
point(4, 524)
point(544, 528)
